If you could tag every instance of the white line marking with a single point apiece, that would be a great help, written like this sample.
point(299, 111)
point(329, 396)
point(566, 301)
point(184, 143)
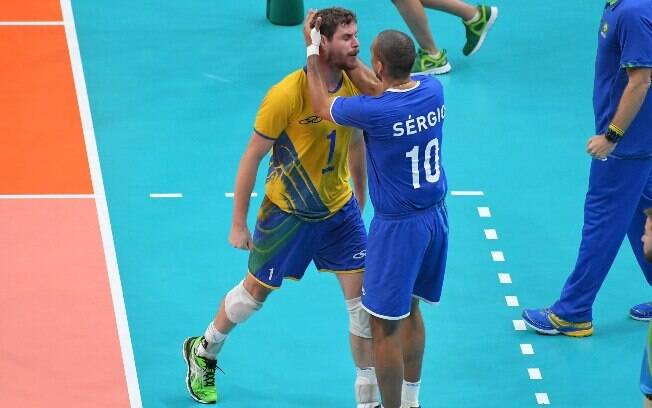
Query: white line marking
point(527, 349)
point(498, 256)
point(519, 325)
point(534, 374)
point(31, 23)
point(467, 193)
point(166, 195)
point(504, 278)
point(512, 301)
point(542, 398)
point(216, 78)
point(102, 207)
point(490, 234)
point(484, 212)
point(43, 196)
point(231, 195)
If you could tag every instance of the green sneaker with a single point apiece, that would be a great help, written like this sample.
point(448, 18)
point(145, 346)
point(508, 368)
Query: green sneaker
point(200, 378)
point(477, 31)
point(426, 63)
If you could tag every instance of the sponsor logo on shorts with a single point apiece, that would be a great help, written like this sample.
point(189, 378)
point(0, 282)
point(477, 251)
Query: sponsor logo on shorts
point(360, 254)
point(310, 120)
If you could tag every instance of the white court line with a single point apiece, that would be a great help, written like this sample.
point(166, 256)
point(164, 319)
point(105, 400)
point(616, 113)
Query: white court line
point(527, 349)
point(231, 195)
point(512, 301)
point(542, 398)
point(490, 234)
point(31, 23)
point(498, 256)
point(467, 193)
point(43, 196)
point(165, 195)
point(534, 374)
point(504, 278)
point(102, 207)
point(484, 212)
point(519, 325)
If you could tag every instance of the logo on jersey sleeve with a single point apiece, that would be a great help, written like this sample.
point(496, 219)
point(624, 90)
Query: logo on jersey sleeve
point(604, 29)
point(310, 120)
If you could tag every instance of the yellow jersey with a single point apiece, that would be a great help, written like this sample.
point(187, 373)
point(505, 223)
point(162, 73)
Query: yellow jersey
point(308, 173)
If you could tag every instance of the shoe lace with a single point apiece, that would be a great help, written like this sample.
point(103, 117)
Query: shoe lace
point(209, 372)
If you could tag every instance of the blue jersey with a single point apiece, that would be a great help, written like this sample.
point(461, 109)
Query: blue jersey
point(624, 41)
point(403, 134)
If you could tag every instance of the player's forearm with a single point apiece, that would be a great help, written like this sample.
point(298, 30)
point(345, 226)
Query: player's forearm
point(244, 185)
point(631, 102)
point(318, 91)
point(365, 80)
point(358, 169)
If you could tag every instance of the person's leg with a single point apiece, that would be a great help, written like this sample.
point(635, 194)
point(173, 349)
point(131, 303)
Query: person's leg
point(413, 341)
point(389, 359)
point(458, 8)
point(415, 17)
point(615, 187)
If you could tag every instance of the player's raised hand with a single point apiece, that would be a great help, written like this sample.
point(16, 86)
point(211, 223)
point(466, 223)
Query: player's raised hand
point(240, 237)
point(599, 147)
point(311, 27)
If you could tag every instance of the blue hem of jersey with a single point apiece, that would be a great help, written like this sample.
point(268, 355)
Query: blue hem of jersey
point(264, 136)
point(408, 214)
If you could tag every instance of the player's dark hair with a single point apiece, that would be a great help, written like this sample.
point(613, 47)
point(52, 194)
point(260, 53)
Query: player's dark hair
point(648, 212)
point(331, 18)
point(396, 51)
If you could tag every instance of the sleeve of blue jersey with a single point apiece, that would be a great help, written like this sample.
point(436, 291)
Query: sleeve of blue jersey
point(636, 39)
point(349, 111)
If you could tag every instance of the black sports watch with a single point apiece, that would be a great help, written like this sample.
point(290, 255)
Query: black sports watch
point(612, 136)
point(648, 396)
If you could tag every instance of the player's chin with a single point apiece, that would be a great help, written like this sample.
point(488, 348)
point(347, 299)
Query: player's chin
point(350, 62)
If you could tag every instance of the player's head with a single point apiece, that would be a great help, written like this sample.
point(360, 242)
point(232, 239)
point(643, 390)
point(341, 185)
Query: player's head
point(392, 55)
point(339, 30)
point(647, 235)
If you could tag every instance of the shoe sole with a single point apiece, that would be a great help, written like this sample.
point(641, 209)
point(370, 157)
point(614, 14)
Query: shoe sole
point(553, 332)
point(490, 23)
point(640, 319)
point(435, 71)
point(185, 351)
point(550, 332)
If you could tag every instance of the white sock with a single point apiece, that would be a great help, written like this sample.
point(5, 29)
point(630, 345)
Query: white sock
point(410, 394)
point(475, 18)
point(212, 344)
point(366, 386)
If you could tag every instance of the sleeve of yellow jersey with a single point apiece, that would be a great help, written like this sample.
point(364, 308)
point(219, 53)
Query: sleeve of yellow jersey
point(274, 113)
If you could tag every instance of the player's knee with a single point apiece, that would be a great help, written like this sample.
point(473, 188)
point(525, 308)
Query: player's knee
point(358, 319)
point(239, 304)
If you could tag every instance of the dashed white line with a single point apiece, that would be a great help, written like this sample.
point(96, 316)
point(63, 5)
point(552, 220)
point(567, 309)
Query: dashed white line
point(467, 193)
point(542, 398)
point(490, 234)
point(512, 301)
point(519, 325)
point(484, 212)
point(498, 256)
point(534, 374)
point(504, 278)
point(231, 195)
point(527, 349)
point(166, 195)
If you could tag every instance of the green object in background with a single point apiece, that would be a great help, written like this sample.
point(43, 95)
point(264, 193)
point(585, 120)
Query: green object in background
point(285, 12)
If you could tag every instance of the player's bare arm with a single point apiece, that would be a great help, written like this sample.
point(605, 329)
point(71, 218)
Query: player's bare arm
point(240, 237)
point(358, 167)
point(321, 102)
point(634, 94)
point(365, 80)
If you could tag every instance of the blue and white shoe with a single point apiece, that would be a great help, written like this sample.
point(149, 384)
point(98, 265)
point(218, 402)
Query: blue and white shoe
point(544, 321)
point(642, 312)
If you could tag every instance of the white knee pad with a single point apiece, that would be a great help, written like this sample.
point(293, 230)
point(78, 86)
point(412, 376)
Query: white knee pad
point(239, 304)
point(358, 319)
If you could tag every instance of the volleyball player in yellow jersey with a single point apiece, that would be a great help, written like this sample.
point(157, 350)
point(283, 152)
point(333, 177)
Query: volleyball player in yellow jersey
point(309, 212)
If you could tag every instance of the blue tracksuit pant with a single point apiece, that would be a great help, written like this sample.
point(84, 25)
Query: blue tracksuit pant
point(619, 191)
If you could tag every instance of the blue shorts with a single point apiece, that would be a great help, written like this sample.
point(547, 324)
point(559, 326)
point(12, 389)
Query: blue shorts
point(284, 244)
point(406, 258)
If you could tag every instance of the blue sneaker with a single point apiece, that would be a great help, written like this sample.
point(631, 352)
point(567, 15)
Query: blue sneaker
point(642, 312)
point(544, 321)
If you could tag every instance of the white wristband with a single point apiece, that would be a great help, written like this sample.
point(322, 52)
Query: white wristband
point(312, 49)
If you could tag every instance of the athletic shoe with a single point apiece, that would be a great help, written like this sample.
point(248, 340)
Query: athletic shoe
point(544, 321)
point(425, 63)
point(200, 378)
point(477, 31)
point(641, 312)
